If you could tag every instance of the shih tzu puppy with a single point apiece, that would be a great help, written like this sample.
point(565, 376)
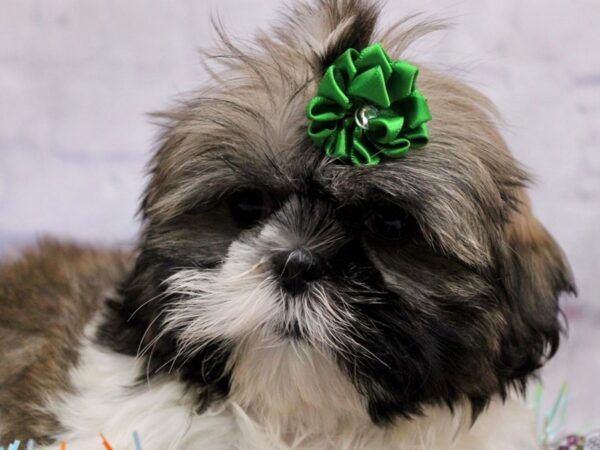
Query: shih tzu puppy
point(300, 282)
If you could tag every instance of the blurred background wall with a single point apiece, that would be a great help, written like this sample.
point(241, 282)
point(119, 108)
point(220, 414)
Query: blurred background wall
point(76, 79)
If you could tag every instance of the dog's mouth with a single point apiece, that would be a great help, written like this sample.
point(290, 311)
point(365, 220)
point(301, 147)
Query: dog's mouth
point(291, 330)
point(297, 312)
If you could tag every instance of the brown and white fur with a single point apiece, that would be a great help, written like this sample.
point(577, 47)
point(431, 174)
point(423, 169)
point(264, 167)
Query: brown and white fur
point(425, 341)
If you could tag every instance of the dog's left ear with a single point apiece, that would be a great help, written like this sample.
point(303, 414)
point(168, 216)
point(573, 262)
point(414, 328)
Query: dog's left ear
point(535, 273)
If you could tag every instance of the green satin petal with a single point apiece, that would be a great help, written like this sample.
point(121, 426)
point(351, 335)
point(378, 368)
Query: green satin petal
point(399, 148)
point(340, 148)
point(345, 65)
point(329, 144)
point(418, 109)
point(323, 109)
point(396, 112)
point(419, 136)
point(332, 87)
point(384, 130)
point(319, 132)
point(361, 155)
point(374, 56)
point(402, 81)
point(370, 86)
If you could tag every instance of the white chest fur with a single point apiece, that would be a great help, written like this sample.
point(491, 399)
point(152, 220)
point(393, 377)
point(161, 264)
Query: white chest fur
point(301, 388)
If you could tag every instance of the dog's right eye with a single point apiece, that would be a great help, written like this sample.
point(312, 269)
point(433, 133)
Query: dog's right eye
point(391, 223)
point(250, 206)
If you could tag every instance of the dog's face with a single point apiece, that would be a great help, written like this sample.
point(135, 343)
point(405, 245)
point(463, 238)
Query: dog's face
point(424, 279)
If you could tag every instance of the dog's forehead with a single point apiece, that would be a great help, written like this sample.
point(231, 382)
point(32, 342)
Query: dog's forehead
point(247, 136)
point(267, 145)
point(301, 166)
point(269, 148)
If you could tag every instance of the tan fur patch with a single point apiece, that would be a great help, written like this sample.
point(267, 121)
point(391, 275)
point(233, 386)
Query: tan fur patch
point(524, 228)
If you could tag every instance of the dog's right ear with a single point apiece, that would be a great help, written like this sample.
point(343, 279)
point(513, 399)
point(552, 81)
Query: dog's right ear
point(535, 274)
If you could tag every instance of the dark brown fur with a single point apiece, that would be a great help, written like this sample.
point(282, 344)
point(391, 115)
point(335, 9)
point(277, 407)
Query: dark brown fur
point(47, 297)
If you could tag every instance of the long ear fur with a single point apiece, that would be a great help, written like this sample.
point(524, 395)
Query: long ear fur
point(535, 274)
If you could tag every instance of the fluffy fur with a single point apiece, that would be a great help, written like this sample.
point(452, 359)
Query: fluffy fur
point(426, 341)
point(47, 297)
point(161, 410)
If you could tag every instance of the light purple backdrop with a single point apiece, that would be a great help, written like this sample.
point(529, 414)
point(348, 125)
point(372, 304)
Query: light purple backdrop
point(76, 79)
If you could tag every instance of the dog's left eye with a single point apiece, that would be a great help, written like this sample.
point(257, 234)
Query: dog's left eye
point(250, 206)
point(390, 222)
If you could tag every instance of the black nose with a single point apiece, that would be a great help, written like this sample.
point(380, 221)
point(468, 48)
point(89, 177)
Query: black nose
point(297, 268)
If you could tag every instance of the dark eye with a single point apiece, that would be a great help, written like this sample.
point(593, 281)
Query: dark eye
point(250, 206)
point(391, 222)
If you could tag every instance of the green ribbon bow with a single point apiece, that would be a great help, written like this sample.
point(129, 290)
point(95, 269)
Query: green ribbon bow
point(367, 106)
